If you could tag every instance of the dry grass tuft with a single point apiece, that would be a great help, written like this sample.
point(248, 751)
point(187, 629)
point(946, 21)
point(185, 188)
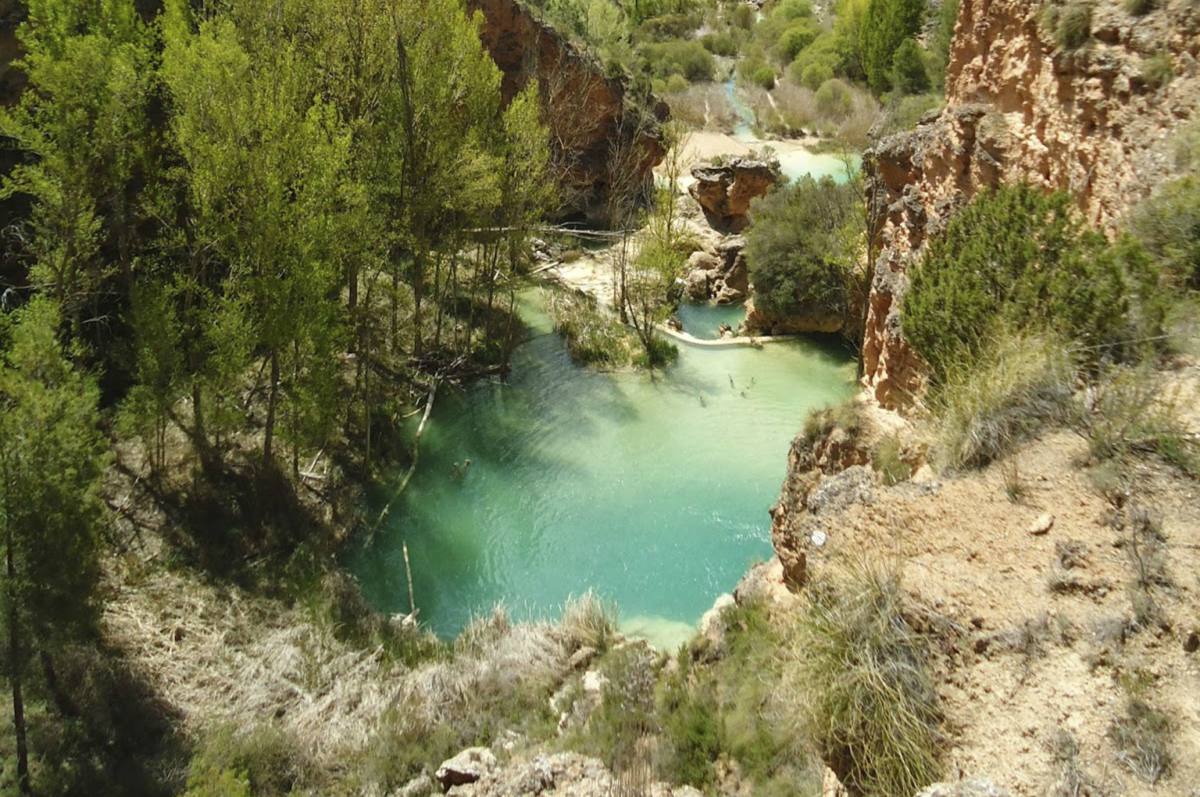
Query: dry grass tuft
point(864, 687)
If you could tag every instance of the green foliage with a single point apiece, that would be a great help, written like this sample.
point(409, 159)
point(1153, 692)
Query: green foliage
point(1014, 254)
point(835, 98)
point(846, 417)
point(720, 43)
point(263, 761)
point(593, 336)
point(686, 58)
point(1168, 225)
point(1140, 8)
point(692, 728)
point(1018, 384)
point(871, 709)
point(796, 38)
point(887, 25)
point(908, 69)
point(816, 63)
point(940, 41)
point(763, 77)
point(801, 248)
point(904, 115)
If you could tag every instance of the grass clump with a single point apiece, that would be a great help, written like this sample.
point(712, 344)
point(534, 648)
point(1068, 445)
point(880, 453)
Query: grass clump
point(589, 622)
point(1158, 70)
point(871, 709)
point(888, 461)
point(1140, 8)
point(1132, 416)
point(1069, 25)
point(1142, 734)
point(1168, 226)
point(847, 416)
point(1020, 383)
point(593, 336)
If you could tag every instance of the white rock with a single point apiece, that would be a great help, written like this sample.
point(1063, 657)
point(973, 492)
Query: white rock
point(1042, 524)
point(467, 767)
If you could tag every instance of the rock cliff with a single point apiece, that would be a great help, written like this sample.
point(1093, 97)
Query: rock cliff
point(725, 190)
point(590, 114)
point(1090, 121)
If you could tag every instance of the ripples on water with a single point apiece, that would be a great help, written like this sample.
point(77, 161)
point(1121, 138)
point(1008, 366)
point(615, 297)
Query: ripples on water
point(652, 491)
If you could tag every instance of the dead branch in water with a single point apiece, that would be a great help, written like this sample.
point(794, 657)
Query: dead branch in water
point(416, 452)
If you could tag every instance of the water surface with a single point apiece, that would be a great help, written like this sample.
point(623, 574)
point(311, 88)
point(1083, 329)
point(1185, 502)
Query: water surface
point(653, 491)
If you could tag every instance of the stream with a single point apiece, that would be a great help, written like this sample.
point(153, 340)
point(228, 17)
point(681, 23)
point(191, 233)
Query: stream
point(652, 491)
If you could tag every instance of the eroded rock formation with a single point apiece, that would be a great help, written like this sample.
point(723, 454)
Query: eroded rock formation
point(593, 122)
point(1019, 108)
point(725, 190)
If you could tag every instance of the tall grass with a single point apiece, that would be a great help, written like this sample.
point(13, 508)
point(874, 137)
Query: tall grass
point(1020, 383)
point(866, 694)
point(1132, 414)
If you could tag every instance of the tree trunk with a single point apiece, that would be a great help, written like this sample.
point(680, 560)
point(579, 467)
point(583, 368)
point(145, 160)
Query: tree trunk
point(14, 654)
point(272, 401)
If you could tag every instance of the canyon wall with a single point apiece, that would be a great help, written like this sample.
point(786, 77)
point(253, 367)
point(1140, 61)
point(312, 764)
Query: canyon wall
point(593, 121)
point(1019, 108)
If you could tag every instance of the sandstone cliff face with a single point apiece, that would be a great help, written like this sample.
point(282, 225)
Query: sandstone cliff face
point(588, 112)
point(725, 190)
point(1018, 108)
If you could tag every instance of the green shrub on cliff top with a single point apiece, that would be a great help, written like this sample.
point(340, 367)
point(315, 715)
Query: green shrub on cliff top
point(1018, 257)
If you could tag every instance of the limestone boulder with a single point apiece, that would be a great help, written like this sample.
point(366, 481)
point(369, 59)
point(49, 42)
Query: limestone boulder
point(467, 767)
point(725, 190)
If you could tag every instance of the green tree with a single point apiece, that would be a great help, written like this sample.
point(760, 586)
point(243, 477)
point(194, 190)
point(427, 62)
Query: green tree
point(51, 459)
point(157, 365)
point(85, 121)
point(886, 25)
point(803, 249)
point(908, 69)
point(266, 161)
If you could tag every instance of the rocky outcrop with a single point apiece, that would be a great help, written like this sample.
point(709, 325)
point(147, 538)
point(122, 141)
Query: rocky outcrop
point(590, 114)
point(764, 322)
point(1021, 109)
point(467, 767)
point(718, 273)
point(725, 190)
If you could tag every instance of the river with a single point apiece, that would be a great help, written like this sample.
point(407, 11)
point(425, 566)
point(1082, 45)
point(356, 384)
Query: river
point(651, 490)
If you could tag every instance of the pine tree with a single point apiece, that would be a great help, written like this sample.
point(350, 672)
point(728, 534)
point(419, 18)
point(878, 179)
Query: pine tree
point(886, 25)
point(51, 459)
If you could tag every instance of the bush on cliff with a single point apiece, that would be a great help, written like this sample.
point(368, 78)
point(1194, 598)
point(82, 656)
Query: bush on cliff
point(801, 248)
point(1017, 256)
point(1168, 224)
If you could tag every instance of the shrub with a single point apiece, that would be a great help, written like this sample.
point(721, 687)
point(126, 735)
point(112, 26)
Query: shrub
point(1020, 383)
point(692, 727)
point(908, 69)
point(1131, 415)
point(813, 75)
point(905, 114)
point(720, 43)
point(261, 761)
point(686, 58)
point(676, 84)
point(1140, 7)
point(795, 39)
point(869, 704)
point(1168, 224)
point(821, 54)
point(1016, 254)
point(800, 248)
point(793, 9)
point(835, 98)
point(589, 622)
point(763, 77)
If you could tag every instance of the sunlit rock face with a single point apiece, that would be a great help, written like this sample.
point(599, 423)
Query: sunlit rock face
point(1021, 109)
point(725, 190)
point(593, 124)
